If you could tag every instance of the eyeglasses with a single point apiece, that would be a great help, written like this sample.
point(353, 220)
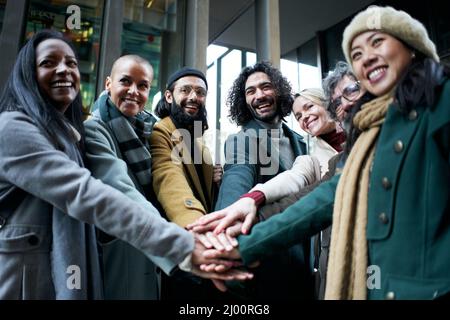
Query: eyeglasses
point(350, 93)
point(186, 90)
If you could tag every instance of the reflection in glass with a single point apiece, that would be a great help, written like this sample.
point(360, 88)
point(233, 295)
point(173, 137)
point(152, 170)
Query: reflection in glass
point(145, 23)
point(145, 41)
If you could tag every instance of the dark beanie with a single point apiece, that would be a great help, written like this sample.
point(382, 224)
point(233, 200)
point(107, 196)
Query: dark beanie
point(183, 72)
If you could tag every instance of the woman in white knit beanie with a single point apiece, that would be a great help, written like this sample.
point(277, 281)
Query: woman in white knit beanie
point(392, 199)
point(391, 204)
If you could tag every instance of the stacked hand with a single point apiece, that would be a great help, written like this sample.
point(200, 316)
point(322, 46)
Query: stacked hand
point(205, 265)
point(217, 255)
point(235, 219)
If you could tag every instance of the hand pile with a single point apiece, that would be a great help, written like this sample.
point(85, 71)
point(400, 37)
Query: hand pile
point(216, 255)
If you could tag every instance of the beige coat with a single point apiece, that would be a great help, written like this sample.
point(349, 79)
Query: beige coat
point(175, 179)
point(290, 185)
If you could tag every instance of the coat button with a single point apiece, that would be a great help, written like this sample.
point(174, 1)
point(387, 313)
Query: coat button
point(383, 218)
point(386, 183)
point(33, 240)
point(188, 203)
point(398, 146)
point(412, 115)
point(390, 295)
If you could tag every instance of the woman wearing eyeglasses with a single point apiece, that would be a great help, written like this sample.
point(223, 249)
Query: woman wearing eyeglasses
point(343, 90)
point(390, 207)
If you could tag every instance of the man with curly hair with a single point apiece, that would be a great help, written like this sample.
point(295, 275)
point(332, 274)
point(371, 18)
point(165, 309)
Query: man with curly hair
point(259, 100)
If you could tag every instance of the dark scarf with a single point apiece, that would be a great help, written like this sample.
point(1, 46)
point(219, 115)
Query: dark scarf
point(132, 135)
point(335, 139)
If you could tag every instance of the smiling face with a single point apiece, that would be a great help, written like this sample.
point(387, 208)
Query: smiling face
point(312, 118)
point(57, 72)
point(260, 96)
point(345, 96)
point(379, 60)
point(129, 85)
point(189, 94)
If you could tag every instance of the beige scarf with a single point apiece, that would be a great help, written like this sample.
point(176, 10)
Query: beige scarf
point(347, 266)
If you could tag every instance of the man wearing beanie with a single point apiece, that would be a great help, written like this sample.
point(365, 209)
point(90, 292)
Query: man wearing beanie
point(182, 169)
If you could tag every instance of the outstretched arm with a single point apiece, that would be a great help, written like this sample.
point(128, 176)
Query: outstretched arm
point(305, 171)
point(303, 219)
point(29, 161)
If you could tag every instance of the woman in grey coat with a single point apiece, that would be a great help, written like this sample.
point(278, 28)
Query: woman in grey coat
point(49, 203)
point(118, 153)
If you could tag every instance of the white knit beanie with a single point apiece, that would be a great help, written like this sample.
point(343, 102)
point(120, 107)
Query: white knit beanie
point(397, 23)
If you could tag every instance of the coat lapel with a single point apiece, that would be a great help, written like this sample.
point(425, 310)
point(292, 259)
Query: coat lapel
point(189, 166)
point(297, 143)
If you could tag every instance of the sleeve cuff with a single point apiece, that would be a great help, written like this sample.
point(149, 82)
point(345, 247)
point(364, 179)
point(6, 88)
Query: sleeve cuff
point(186, 264)
point(256, 195)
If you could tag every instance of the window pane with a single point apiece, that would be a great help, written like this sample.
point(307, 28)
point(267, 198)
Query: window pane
point(145, 24)
point(210, 135)
point(214, 52)
point(52, 15)
point(231, 67)
point(145, 41)
point(251, 58)
point(160, 14)
point(442, 23)
point(290, 71)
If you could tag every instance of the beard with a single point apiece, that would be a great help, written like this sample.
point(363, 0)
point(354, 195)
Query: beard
point(269, 117)
point(187, 121)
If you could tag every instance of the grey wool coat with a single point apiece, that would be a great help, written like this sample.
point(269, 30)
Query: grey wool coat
point(127, 273)
point(46, 178)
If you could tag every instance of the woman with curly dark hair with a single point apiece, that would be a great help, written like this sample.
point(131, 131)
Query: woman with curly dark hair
point(240, 110)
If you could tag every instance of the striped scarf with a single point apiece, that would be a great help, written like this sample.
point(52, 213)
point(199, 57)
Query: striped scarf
point(132, 135)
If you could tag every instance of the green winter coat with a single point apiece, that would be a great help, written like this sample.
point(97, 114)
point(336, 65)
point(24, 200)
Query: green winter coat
point(408, 228)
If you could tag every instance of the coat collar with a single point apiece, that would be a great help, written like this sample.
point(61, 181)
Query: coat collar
point(296, 140)
point(178, 137)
